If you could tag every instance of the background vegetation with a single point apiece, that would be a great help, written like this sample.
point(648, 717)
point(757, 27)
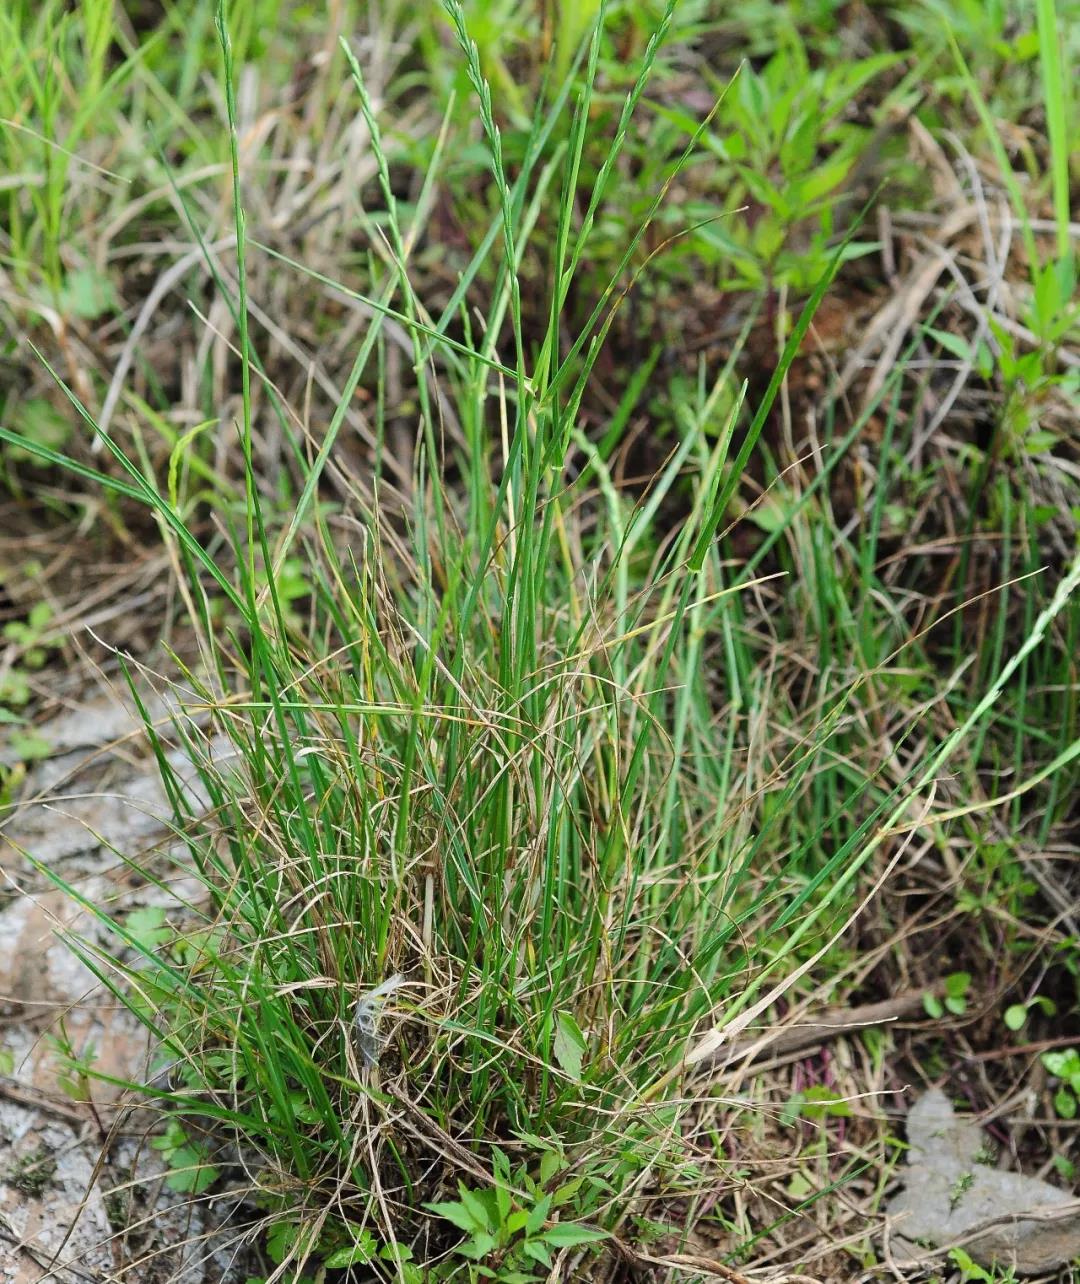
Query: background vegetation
point(602, 482)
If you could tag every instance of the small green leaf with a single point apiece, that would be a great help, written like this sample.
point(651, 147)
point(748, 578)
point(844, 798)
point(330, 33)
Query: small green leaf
point(481, 1205)
point(791, 1110)
point(538, 1215)
point(1040, 440)
point(193, 1176)
point(952, 343)
point(569, 1044)
point(516, 1222)
point(932, 1006)
point(770, 514)
point(171, 1139)
point(481, 1243)
point(567, 1191)
point(87, 294)
point(28, 746)
point(147, 926)
point(501, 1165)
point(357, 1254)
point(1065, 1103)
point(984, 360)
point(41, 423)
point(971, 1271)
point(537, 1250)
point(1025, 46)
point(14, 688)
point(458, 1214)
point(957, 984)
point(551, 1161)
point(1016, 1015)
point(280, 1239)
point(819, 1101)
point(567, 1235)
point(302, 1108)
point(7, 1061)
point(41, 614)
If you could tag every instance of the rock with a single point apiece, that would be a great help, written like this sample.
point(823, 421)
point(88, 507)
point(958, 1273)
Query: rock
point(952, 1197)
point(109, 811)
point(97, 799)
point(162, 1237)
point(123, 816)
point(46, 1198)
point(112, 1220)
point(46, 989)
point(98, 794)
point(90, 725)
point(37, 973)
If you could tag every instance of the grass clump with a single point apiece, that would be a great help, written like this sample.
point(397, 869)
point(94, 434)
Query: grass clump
point(470, 768)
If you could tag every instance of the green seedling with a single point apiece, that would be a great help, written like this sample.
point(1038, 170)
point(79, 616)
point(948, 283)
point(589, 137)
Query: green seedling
point(189, 1171)
point(786, 144)
point(1016, 1014)
point(957, 985)
point(959, 1189)
point(1065, 1067)
point(516, 1226)
point(972, 1273)
point(27, 649)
